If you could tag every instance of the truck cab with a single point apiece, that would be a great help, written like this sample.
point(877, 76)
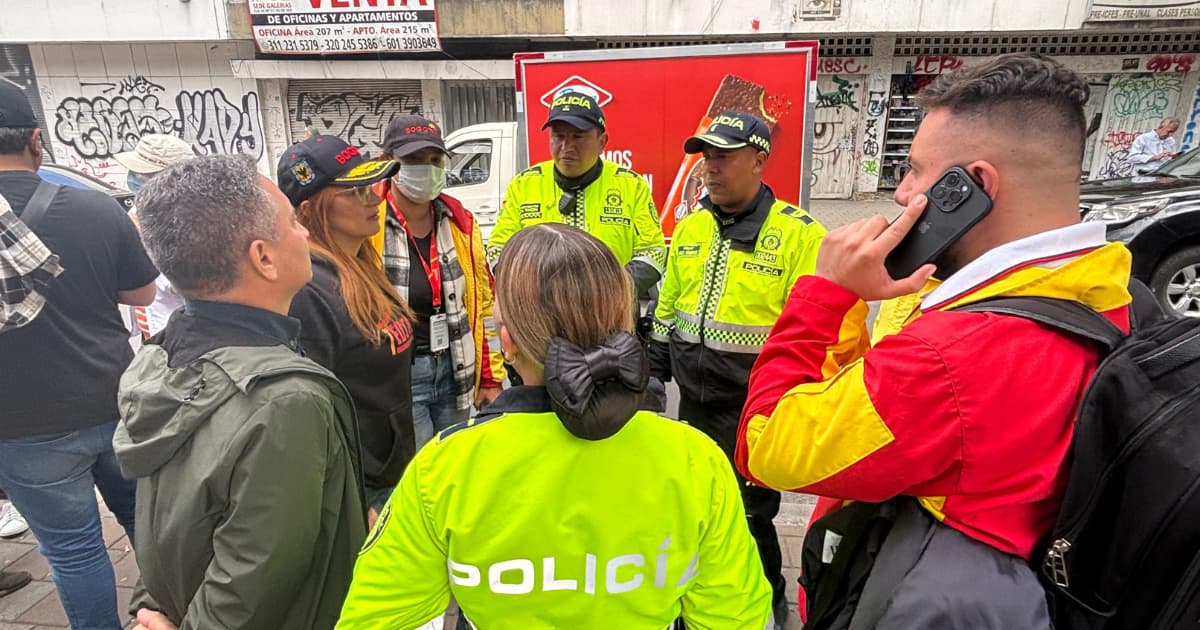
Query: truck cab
point(483, 159)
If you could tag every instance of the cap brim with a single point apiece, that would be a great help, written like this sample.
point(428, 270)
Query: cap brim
point(368, 173)
point(406, 150)
point(578, 122)
point(131, 161)
point(696, 144)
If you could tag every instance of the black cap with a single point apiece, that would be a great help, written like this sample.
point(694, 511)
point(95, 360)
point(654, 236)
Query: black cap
point(732, 130)
point(410, 133)
point(15, 112)
point(308, 166)
point(576, 109)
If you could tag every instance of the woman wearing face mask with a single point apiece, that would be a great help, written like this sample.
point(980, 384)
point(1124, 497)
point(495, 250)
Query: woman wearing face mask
point(150, 156)
point(352, 320)
point(433, 254)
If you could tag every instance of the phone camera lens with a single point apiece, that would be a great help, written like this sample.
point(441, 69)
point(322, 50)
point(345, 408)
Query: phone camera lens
point(953, 181)
point(955, 196)
point(939, 193)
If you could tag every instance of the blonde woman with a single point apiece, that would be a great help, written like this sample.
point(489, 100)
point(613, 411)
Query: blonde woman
point(563, 505)
point(352, 320)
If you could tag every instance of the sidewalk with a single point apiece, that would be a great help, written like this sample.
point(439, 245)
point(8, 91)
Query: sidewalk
point(36, 607)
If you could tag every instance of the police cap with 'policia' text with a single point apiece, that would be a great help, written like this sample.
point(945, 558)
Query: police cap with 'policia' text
point(732, 130)
point(576, 109)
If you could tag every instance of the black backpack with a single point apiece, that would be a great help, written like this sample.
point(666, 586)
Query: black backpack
point(1125, 550)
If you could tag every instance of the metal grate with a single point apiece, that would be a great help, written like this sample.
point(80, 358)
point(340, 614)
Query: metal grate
point(830, 47)
point(1062, 44)
point(355, 111)
point(17, 68)
point(472, 102)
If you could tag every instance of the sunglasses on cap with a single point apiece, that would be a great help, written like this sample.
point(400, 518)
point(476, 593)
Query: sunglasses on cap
point(364, 194)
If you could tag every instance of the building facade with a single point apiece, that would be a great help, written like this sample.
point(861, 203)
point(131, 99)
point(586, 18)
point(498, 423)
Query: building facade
point(106, 72)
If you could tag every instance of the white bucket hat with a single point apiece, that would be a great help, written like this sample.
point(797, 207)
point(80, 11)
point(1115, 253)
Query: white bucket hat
point(155, 152)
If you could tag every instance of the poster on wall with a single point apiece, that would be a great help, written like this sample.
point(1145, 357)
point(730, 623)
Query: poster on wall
point(1119, 10)
point(344, 27)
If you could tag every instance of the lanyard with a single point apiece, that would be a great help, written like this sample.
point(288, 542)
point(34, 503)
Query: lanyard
point(432, 267)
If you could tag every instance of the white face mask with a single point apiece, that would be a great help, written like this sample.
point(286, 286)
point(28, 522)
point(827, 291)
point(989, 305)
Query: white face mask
point(420, 182)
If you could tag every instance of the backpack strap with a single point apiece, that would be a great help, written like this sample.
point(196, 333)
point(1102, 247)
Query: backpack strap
point(1065, 315)
point(39, 203)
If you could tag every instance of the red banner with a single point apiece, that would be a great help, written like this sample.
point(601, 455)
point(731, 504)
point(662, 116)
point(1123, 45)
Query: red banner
point(655, 100)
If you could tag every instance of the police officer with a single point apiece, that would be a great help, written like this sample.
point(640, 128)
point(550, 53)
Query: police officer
point(733, 263)
point(580, 189)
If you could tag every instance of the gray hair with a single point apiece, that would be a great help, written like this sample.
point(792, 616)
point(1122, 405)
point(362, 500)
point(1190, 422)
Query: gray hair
point(198, 218)
point(1167, 122)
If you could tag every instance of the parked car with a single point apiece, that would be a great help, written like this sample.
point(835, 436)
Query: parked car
point(64, 176)
point(1158, 217)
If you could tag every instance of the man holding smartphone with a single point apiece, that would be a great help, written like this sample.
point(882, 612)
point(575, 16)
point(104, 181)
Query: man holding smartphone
point(731, 266)
point(971, 414)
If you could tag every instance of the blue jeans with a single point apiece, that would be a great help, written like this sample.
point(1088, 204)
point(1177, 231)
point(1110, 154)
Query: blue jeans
point(434, 396)
point(51, 479)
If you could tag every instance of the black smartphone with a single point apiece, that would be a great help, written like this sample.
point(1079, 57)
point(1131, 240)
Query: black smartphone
point(956, 203)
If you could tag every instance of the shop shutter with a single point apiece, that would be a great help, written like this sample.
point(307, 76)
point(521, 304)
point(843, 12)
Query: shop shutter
point(356, 111)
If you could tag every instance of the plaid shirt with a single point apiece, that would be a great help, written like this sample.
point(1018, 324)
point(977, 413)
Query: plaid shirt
point(27, 267)
point(398, 266)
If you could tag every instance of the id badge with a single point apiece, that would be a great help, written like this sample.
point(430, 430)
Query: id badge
point(439, 333)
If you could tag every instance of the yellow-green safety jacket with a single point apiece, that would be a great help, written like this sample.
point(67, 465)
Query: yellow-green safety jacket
point(617, 208)
point(726, 282)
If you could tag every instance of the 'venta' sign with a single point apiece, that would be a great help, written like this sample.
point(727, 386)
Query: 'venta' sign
point(340, 27)
point(1119, 10)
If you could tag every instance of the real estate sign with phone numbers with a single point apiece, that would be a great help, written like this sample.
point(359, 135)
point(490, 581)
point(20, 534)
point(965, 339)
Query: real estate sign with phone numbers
point(339, 27)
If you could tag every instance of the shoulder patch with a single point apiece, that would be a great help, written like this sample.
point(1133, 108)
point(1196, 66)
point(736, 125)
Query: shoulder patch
point(469, 424)
point(621, 170)
point(536, 169)
point(796, 213)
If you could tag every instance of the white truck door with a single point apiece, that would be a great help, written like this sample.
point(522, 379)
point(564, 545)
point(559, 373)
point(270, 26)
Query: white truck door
point(475, 172)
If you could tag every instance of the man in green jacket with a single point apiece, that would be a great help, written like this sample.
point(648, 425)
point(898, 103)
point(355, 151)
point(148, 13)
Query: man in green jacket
point(249, 500)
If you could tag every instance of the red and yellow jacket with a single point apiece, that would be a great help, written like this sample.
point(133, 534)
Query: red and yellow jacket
point(972, 413)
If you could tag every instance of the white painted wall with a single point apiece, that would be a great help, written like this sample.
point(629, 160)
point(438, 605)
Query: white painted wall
point(112, 20)
point(700, 17)
point(100, 99)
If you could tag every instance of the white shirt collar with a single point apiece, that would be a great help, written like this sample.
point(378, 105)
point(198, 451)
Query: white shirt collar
point(1074, 238)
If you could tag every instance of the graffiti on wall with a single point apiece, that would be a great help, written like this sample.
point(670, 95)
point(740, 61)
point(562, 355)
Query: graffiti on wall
point(1190, 130)
point(360, 119)
point(1171, 63)
point(833, 143)
point(841, 65)
point(1135, 104)
point(844, 95)
point(92, 129)
point(871, 164)
point(1144, 95)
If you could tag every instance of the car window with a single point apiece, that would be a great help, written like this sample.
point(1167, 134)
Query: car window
point(1186, 165)
point(470, 163)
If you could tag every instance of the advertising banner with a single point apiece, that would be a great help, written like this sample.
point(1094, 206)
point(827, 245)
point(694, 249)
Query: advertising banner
point(654, 99)
point(343, 27)
point(1121, 10)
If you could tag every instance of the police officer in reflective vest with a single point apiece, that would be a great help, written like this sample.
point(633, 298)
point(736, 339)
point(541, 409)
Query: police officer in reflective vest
point(580, 189)
point(732, 265)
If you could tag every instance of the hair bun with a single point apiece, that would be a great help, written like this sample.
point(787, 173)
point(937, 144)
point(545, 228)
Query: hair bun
point(595, 391)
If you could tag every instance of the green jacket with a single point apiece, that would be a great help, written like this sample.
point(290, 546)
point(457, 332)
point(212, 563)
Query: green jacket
point(249, 499)
point(541, 529)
